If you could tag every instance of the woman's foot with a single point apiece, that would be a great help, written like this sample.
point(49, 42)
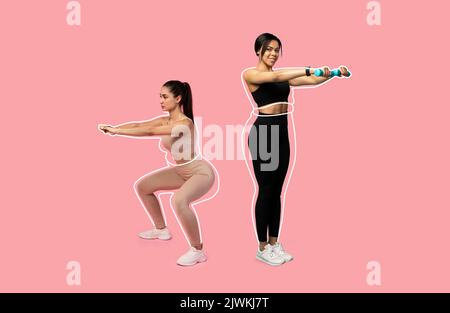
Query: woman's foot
point(278, 250)
point(156, 233)
point(192, 257)
point(268, 256)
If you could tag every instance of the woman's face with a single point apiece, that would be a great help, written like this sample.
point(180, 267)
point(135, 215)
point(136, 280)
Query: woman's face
point(167, 100)
point(271, 54)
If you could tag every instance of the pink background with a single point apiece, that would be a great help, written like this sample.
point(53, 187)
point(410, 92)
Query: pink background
point(372, 175)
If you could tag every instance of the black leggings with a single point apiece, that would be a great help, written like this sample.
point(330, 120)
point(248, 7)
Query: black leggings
point(269, 146)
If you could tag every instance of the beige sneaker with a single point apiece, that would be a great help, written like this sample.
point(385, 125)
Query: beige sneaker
point(192, 257)
point(155, 233)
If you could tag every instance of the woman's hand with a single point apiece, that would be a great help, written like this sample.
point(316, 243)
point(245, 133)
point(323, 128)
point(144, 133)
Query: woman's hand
point(106, 129)
point(344, 71)
point(326, 71)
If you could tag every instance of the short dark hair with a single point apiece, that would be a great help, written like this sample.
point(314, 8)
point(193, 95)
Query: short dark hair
point(263, 41)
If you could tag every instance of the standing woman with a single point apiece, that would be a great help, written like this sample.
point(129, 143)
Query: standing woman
point(192, 176)
point(270, 90)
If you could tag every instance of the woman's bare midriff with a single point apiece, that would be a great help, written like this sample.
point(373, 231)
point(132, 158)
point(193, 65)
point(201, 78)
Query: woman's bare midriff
point(275, 109)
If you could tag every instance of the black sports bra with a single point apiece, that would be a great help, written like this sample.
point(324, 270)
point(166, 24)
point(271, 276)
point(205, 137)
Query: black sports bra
point(268, 93)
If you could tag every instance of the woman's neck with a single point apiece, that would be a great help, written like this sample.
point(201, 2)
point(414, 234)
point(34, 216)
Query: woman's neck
point(175, 115)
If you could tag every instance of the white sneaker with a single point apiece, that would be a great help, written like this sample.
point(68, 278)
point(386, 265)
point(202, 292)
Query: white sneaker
point(155, 233)
point(278, 250)
point(192, 257)
point(269, 257)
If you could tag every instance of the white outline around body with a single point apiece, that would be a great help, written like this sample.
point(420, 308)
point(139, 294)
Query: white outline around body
point(243, 146)
point(171, 192)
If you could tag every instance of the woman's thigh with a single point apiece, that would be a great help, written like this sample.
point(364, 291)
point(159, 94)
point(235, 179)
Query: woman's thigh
point(195, 187)
point(164, 179)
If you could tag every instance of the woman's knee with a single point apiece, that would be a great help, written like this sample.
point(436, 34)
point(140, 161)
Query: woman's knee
point(179, 202)
point(145, 186)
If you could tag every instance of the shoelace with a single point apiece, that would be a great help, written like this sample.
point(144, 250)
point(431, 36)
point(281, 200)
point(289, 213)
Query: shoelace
point(271, 253)
point(279, 249)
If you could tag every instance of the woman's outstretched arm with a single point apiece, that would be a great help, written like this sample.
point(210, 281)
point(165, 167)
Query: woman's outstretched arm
point(153, 122)
point(308, 80)
point(150, 130)
point(315, 80)
point(253, 76)
point(127, 125)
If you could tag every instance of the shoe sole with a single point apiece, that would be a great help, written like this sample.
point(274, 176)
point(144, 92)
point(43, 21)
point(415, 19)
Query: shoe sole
point(267, 262)
point(152, 238)
point(203, 259)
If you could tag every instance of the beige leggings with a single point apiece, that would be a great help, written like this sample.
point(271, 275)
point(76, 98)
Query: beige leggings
point(192, 180)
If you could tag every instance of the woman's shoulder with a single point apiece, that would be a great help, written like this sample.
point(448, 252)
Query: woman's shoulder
point(187, 121)
point(249, 71)
point(184, 121)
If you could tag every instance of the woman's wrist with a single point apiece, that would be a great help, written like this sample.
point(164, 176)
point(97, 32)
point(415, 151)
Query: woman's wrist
point(112, 130)
point(308, 70)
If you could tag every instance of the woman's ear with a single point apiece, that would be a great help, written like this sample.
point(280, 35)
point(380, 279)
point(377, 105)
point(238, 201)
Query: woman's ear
point(178, 99)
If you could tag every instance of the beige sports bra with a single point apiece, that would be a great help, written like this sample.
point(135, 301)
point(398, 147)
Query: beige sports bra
point(180, 144)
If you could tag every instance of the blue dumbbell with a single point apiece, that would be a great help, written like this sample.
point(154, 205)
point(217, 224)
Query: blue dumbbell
point(335, 72)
